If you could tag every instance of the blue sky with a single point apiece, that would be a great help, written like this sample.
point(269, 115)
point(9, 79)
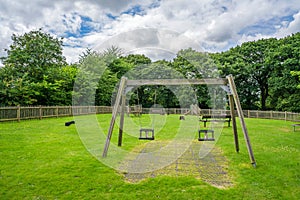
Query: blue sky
point(214, 25)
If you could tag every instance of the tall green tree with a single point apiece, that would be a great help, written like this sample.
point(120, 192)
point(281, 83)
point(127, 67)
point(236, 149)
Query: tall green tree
point(32, 72)
point(105, 89)
point(262, 71)
point(251, 64)
point(33, 54)
point(284, 94)
point(194, 65)
point(126, 66)
point(90, 69)
point(56, 87)
point(256, 57)
point(231, 62)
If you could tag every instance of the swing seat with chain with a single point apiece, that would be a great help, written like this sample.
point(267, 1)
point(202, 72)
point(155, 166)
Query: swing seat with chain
point(147, 133)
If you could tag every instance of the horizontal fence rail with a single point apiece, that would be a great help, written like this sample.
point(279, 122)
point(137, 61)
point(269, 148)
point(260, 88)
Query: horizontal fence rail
point(39, 112)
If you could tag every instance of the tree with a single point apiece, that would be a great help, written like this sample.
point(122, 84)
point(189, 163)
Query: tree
point(15, 91)
point(122, 65)
point(33, 54)
point(105, 88)
point(283, 91)
point(251, 65)
point(56, 87)
point(262, 71)
point(195, 65)
point(91, 67)
point(99, 73)
point(296, 74)
point(231, 62)
point(256, 56)
point(33, 71)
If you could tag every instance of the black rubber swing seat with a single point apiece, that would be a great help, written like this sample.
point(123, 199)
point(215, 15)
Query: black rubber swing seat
point(206, 135)
point(69, 123)
point(146, 134)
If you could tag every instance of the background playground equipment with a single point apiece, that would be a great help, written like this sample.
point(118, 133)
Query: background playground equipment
point(215, 118)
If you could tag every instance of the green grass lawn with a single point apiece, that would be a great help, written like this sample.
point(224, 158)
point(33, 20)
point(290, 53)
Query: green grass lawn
point(43, 159)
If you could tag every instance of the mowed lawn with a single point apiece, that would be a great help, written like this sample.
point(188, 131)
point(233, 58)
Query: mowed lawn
point(43, 159)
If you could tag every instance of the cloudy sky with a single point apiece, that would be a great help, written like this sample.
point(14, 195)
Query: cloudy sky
point(216, 25)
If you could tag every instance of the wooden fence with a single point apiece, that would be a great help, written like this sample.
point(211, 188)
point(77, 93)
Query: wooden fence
point(19, 113)
point(39, 112)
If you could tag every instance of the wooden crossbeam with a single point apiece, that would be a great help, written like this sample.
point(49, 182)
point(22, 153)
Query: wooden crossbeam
point(208, 81)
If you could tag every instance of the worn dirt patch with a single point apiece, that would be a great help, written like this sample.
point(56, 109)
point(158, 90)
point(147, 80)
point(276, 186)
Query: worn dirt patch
point(212, 168)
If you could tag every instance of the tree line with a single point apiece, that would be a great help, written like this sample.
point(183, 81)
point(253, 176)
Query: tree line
point(35, 72)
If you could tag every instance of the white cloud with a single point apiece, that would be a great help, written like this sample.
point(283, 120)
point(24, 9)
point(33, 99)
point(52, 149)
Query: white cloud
point(294, 25)
point(290, 28)
point(149, 41)
point(217, 24)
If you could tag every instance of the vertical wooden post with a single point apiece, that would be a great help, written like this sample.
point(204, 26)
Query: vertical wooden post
point(234, 127)
point(40, 112)
point(69, 110)
point(241, 117)
point(56, 111)
point(19, 113)
point(271, 114)
point(114, 114)
point(121, 120)
point(285, 115)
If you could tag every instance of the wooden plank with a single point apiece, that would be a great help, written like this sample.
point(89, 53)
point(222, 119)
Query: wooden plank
point(114, 115)
point(56, 110)
point(40, 112)
point(209, 81)
point(121, 120)
point(241, 117)
point(234, 127)
point(19, 113)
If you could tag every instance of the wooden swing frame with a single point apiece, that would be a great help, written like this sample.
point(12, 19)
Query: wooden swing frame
point(233, 101)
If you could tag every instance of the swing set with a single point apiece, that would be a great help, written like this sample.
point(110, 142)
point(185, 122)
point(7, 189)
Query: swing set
point(226, 83)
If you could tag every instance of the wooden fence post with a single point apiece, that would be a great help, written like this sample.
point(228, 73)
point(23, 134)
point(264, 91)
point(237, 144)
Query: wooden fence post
point(271, 115)
point(285, 115)
point(19, 113)
point(56, 111)
point(70, 110)
point(40, 112)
